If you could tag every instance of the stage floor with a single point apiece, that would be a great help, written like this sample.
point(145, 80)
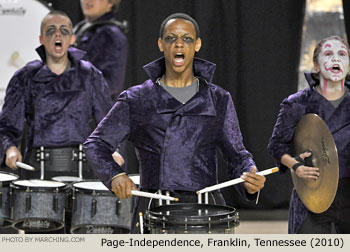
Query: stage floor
point(273, 221)
point(262, 227)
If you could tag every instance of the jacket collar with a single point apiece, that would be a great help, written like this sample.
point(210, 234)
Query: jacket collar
point(201, 68)
point(200, 104)
point(67, 81)
point(74, 54)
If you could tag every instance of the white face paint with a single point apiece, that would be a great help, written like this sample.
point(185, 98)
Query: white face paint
point(333, 61)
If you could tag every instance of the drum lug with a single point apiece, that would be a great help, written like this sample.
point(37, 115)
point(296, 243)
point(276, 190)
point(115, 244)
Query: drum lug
point(28, 200)
point(55, 201)
point(164, 230)
point(117, 207)
point(209, 225)
point(93, 205)
point(93, 208)
point(186, 231)
point(11, 202)
point(73, 201)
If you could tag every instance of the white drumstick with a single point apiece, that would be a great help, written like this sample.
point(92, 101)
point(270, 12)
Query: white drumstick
point(25, 166)
point(235, 181)
point(153, 195)
point(141, 222)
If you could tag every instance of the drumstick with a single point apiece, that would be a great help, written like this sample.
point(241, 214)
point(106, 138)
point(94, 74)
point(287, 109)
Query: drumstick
point(25, 166)
point(152, 195)
point(141, 222)
point(235, 181)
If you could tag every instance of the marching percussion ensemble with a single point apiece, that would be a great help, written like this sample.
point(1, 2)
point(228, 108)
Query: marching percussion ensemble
point(175, 134)
point(40, 205)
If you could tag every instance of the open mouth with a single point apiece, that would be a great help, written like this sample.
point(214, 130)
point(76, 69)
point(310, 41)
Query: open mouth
point(336, 69)
point(179, 59)
point(58, 44)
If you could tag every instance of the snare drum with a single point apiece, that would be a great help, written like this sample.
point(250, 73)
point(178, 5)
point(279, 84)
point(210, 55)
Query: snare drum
point(191, 218)
point(5, 198)
point(38, 205)
point(97, 210)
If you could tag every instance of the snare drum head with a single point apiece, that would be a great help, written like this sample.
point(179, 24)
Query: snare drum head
point(135, 178)
point(4, 177)
point(91, 185)
point(18, 19)
point(67, 179)
point(38, 183)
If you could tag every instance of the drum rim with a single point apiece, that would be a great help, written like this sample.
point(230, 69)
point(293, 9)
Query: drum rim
point(230, 216)
point(11, 174)
point(38, 188)
point(7, 222)
point(58, 221)
point(89, 189)
point(67, 181)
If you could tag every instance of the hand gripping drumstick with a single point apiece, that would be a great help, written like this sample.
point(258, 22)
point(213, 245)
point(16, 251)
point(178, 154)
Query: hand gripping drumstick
point(235, 181)
point(153, 195)
point(25, 166)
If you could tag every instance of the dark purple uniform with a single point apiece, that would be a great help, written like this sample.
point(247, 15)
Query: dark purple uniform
point(337, 119)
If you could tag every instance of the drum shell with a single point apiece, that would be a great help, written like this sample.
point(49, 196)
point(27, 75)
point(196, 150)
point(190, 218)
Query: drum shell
point(6, 200)
point(100, 211)
point(68, 181)
point(161, 220)
point(43, 201)
point(5, 209)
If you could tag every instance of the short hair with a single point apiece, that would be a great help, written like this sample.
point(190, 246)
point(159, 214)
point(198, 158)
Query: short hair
point(55, 13)
point(321, 43)
point(318, 50)
point(177, 16)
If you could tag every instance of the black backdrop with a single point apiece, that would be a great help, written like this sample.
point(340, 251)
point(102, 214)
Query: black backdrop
point(256, 46)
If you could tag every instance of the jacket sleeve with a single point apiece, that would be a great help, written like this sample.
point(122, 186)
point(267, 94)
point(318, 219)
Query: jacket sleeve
point(106, 138)
point(101, 100)
point(238, 159)
point(12, 116)
point(281, 140)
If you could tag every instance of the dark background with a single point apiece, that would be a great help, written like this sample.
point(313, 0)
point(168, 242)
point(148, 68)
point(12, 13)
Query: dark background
point(256, 47)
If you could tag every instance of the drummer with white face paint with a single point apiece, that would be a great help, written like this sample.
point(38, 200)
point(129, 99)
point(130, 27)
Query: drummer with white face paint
point(333, 64)
point(327, 97)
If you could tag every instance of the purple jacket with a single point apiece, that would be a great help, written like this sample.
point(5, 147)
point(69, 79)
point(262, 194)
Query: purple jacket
point(292, 110)
point(106, 48)
point(175, 143)
point(56, 108)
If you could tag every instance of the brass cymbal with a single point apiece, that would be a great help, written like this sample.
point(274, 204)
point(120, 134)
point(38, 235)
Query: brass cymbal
point(313, 134)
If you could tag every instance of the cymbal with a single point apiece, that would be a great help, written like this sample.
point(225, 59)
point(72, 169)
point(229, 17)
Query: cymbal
point(312, 134)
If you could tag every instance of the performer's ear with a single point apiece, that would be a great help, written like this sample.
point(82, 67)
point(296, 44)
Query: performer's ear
point(160, 45)
point(198, 45)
